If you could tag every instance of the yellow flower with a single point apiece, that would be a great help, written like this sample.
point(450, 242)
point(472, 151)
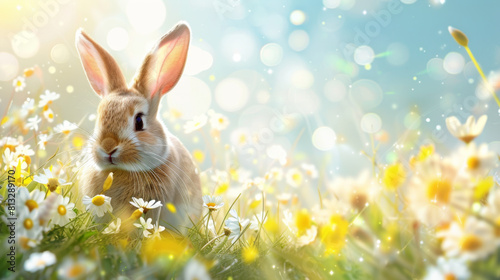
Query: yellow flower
point(249, 254)
point(333, 235)
point(171, 208)
point(107, 182)
point(394, 176)
point(168, 246)
point(199, 156)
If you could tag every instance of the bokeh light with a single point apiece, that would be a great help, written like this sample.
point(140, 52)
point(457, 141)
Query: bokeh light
point(146, 16)
point(271, 54)
point(117, 38)
point(323, 138)
point(371, 123)
point(60, 53)
point(367, 94)
point(453, 63)
point(364, 55)
point(9, 66)
point(297, 17)
point(435, 69)
point(25, 44)
point(331, 4)
point(231, 94)
point(298, 40)
point(190, 97)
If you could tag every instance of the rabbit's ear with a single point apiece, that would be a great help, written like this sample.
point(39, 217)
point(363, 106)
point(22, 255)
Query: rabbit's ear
point(163, 66)
point(102, 71)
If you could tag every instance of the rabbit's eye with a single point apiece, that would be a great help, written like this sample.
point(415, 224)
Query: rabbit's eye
point(139, 124)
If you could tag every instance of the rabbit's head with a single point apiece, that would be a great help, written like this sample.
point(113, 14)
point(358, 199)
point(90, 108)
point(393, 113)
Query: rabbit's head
point(127, 133)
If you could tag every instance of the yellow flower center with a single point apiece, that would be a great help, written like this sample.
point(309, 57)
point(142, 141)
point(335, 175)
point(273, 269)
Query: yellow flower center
point(45, 108)
point(53, 184)
point(61, 210)
point(19, 83)
point(473, 163)
point(75, 271)
point(211, 204)
point(66, 132)
point(470, 243)
point(297, 178)
point(28, 224)
point(450, 276)
point(439, 191)
point(51, 116)
point(31, 204)
point(221, 120)
point(242, 139)
point(98, 200)
point(303, 220)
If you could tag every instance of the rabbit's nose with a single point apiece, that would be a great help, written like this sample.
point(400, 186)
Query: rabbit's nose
point(109, 145)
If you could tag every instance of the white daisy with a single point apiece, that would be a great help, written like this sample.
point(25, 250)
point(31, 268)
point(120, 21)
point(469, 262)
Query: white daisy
point(437, 190)
point(195, 270)
point(28, 107)
point(48, 114)
point(50, 180)
point(156, 231)
point(236, 225)
point(38, 261)
point(30, 231)
point(47, 98)
point(476, 160)
point(258, 220)
point(240, 137)
point(467, 131)
point(471, 241)
point(30, 200)
point(11, 159)
point(455, 269)
point(354, 193)
point(492, 212)
point(196, 123)
point(310, 170)
point(43, 139)
point(98, 205)
point(213, 203)
point(113, 228)
point(294, 177)
point(308, 237)
point(145, 226)
point(19, 84)
point(66, 127)
point(32, 123)
point(10, 142)
point(145, 205)
point(218, 121)
point(24, 150)
point(283, 198)
point(64, 211)
point(276, 173)
point(73, 268)
point(278, 153)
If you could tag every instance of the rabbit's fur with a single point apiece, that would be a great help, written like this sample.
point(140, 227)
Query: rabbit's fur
point(129, 140)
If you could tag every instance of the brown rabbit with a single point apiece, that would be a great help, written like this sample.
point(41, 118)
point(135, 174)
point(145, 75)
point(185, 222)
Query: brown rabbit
point(129, 140)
